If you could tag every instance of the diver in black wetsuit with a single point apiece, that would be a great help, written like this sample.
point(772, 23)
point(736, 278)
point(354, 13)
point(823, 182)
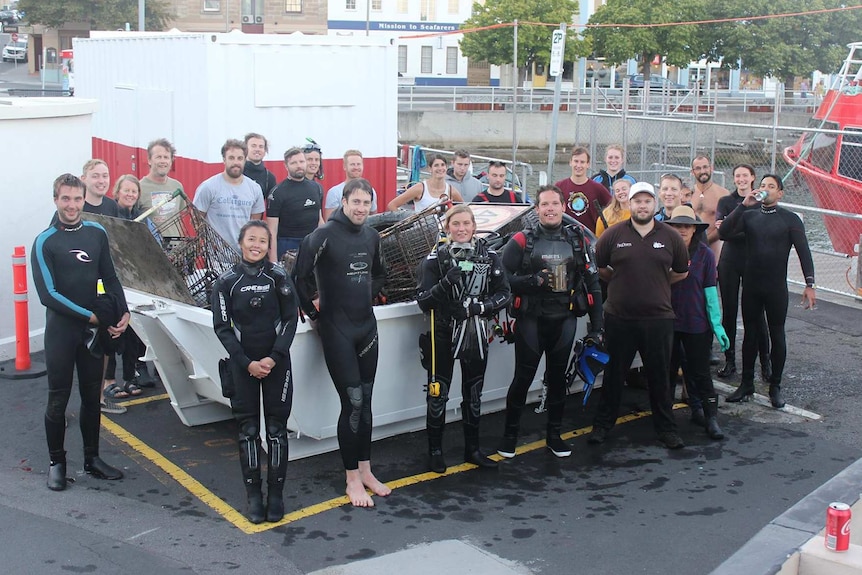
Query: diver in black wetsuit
point(547, 280)
point(770, 232)
point(731, 265)
point(68, 259)
point(254, 309)
point(344, 256)
point(464, 283)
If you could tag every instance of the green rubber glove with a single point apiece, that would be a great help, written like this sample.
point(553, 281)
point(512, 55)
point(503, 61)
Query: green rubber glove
point(714, 312)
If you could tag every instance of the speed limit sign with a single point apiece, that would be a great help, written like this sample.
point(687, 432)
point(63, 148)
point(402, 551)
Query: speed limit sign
point(14, 37)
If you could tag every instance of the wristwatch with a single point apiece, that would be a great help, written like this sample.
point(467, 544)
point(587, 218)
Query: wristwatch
point(811, 285)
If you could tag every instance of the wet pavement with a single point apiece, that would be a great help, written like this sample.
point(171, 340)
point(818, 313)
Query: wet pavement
point(628, 506)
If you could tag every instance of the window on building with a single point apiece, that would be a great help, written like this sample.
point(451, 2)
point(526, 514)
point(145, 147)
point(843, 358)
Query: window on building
point(403, 6)
point(452, 60)
point(427, 10)
point(402, 59)
point(350, 4)
point(212, 5)
point(377, 5)
point(427, 63)
point(454, 7)
point(294, 6)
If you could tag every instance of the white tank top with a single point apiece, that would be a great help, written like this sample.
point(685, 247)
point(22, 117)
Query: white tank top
point(427, 200)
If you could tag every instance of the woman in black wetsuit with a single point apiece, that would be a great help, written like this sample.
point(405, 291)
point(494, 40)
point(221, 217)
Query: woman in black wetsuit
point(254, 316)
point(770, 232)
point(464, 283)
point(731, 266)
point(344, 257)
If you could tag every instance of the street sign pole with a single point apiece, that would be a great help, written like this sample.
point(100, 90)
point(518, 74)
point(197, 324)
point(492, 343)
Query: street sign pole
point(558, 48)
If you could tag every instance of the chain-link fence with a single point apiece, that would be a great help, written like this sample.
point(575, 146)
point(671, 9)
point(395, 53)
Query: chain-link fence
point(830, 206)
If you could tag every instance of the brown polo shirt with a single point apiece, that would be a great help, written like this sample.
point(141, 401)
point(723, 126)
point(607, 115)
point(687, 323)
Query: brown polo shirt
point(640, 286)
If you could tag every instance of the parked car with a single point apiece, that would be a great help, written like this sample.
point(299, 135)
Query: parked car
point(656, 83)
point(15, 51)
point(8, 17)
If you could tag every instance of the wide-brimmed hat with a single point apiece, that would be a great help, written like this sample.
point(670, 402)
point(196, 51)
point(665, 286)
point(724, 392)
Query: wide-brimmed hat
point(684, 215)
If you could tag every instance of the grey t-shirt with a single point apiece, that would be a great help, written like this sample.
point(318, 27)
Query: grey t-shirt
point(229, 207)
point(468, 187)
point(335, 193)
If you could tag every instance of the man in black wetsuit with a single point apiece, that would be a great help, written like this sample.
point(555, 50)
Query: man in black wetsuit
point(68, 259)
point(344, 256)
point(294, 207)
point(554, 280)
point(254, 166)
point(770, 232)
point(731, 266)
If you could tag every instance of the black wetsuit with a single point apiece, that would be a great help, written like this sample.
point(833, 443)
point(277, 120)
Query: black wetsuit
point(546, 325)
point(264, 178)
point(67, 263)
point(731, 266)
point(770, 232)
point(493, 295)
point(254, 316)
point(346, 261)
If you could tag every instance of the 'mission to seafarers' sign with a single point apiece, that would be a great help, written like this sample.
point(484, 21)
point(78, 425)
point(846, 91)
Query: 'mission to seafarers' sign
point(393, 26)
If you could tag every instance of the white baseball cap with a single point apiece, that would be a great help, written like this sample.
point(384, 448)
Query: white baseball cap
point(641, 187)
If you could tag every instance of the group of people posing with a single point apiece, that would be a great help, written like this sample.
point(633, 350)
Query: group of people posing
point(648, 285)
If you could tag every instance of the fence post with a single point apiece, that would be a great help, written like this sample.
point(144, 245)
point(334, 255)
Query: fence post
point(23, 367)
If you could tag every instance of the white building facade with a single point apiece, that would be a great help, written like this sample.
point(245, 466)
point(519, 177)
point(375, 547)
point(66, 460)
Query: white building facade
point(423, 30)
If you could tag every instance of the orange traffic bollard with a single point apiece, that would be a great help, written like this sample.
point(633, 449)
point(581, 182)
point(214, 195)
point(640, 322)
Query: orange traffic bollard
point(24, 367)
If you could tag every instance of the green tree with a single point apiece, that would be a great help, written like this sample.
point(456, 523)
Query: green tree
point(534, 42)
point(782, 47)
point(100, 14)
point(677, 45)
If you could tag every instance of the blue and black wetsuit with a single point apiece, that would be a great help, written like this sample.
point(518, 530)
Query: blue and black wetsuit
point(67, 262)
point(770, 232)
point(346, 261)
point(254, 316)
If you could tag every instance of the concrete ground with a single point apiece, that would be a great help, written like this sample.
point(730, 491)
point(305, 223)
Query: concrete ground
point(626, 506)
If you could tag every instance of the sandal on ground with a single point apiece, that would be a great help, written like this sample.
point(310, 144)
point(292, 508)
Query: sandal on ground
point(132, 388)
point(114, 391)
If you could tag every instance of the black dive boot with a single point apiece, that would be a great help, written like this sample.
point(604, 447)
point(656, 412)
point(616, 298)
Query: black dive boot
point(510, 432)
point(710, 411)
point(249, 461)
point(766, 369)
point(57, 472)
point(472, 453)
point(275, 474)
point(742, 393)
point(436, 462)
point(729, 368)
point(698, 415)
point(775, 396)
point(552, 433)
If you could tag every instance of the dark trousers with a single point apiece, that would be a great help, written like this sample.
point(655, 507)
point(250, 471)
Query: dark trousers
point(66, 353)
point(729, 280)
point(133, 348)
point(755, 300)
point(653, 338)
point(697, 349)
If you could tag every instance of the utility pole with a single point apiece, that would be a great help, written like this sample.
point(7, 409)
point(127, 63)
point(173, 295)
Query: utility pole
point(558, 49)
point(142, 8)
point(515, 105)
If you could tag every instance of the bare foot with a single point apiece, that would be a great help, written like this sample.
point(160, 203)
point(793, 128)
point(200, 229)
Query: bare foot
point(356, 491)
point(371, 482)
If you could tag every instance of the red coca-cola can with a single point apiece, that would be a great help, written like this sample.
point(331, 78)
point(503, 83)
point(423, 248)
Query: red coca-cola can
point(838, 527)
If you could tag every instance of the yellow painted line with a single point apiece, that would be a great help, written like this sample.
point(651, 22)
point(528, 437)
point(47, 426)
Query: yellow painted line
point(236, 518)
point(191, 484)
point(142, 400)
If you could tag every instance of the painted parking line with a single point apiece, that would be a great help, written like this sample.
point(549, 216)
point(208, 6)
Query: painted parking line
point(143, 400)
point(207, 497)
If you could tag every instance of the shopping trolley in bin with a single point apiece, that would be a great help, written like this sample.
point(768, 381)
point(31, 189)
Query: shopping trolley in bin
point(199, 253)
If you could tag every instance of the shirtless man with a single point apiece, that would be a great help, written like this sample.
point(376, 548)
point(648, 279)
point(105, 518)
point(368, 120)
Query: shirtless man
point(705, 199)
